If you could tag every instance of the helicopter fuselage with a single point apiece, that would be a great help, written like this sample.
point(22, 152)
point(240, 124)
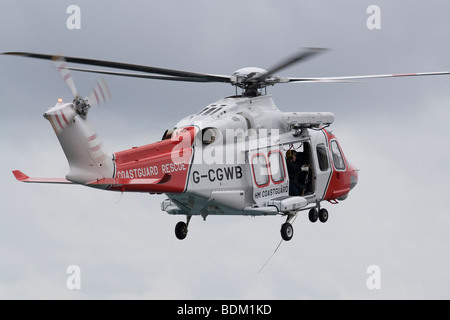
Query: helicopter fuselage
point(237, 156)
point(230, 159)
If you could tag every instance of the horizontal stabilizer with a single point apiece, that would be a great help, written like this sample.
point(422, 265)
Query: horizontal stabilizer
point(24, 178)
point(106, 182)
point(119, 182)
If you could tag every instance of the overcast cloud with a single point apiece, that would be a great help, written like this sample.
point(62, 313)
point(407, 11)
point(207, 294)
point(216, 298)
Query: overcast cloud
point(393, 130)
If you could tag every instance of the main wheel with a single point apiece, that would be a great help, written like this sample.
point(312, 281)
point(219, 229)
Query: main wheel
point(313, 215)
point(181, 230)
point(323, 215)
point(287, 231)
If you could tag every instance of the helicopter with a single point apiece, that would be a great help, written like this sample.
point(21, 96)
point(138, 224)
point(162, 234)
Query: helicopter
point(240, 155)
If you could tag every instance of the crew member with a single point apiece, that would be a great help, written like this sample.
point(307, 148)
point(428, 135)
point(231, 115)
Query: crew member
point(294, 170)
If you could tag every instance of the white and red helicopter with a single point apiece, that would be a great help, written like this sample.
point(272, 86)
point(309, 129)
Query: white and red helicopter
point(239, 155)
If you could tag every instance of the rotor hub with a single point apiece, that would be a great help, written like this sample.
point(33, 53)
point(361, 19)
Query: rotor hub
point(249, 80)
point(81, 106)
point(249, 72)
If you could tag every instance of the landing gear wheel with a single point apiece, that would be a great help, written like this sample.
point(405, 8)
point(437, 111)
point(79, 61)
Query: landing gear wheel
point(323, 215)
point(287, 231)
point(313, 215)
point(181, 230)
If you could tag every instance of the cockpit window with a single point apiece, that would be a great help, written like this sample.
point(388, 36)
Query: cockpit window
point(338, 160)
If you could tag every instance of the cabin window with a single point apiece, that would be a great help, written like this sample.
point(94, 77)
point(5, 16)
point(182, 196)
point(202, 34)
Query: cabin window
point(322, 157)
point(216, 110)
point(260, 171)
point(276, 166)
point(209, 111)
point(167, 134)
point(338, 160)
point(203, 110)
point(208, 135)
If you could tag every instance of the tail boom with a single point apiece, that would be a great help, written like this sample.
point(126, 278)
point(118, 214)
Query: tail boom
point(160, 167)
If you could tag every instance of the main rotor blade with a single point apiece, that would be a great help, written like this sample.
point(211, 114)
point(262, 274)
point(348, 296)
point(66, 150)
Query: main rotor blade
point(374, 76)
point(303, 55)
point(139, 75)
point(133, 67)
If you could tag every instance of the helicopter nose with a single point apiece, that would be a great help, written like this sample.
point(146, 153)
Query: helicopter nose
point(353, 180)
point(353, 177)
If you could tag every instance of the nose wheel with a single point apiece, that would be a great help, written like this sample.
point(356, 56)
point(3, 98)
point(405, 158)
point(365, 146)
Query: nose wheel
point(315, 215)
point(323, 215)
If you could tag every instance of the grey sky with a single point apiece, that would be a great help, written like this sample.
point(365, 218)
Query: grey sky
point(393, 130)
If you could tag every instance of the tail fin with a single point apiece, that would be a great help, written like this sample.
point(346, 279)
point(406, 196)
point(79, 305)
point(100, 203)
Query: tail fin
point(87, 160)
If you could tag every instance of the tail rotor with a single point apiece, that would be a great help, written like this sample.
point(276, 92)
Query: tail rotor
point(100, 94)
point(88, 161)
point(61, 64)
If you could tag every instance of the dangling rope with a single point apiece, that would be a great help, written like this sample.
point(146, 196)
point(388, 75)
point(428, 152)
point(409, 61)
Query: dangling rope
point(120, 198)
point(270, 256)
point(295, 217)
